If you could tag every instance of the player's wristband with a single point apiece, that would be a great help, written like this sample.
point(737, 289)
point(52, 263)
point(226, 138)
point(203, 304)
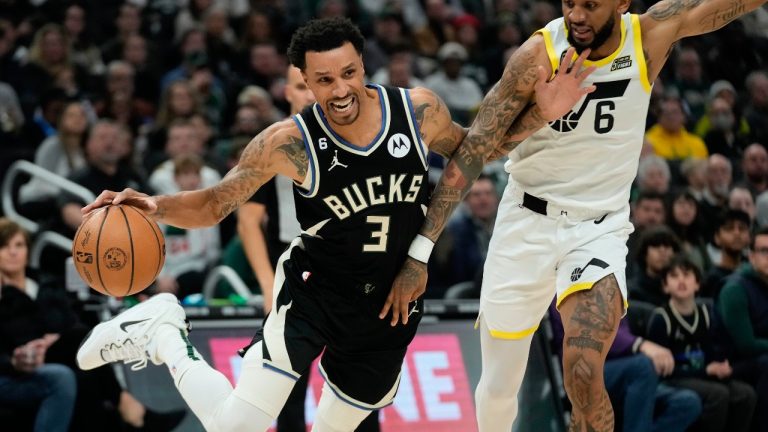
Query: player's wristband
point(421, 248)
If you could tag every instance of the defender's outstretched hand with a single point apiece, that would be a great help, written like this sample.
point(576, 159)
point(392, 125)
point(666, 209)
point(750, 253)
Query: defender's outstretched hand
point(408, 286)
point(128, 196)
point(556, 96)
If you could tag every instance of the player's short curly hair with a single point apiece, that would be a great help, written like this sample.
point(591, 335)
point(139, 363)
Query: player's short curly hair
point(323, 35)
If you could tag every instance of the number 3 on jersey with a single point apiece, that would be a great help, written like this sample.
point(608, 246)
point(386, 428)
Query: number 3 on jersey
point(382, 223)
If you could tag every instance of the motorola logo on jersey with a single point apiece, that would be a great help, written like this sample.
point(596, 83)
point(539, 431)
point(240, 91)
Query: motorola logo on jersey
point(375, 191)
point(398, 145)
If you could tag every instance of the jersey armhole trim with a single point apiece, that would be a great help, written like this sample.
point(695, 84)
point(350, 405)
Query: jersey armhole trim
point(544, 32)
point(637, 38)
point(413, 125)
point(311, 182)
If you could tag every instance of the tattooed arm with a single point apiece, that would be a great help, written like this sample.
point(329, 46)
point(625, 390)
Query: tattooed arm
point(277, 150)
point(668, 21)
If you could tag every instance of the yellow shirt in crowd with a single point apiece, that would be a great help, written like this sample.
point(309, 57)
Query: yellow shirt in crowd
point(677, 146)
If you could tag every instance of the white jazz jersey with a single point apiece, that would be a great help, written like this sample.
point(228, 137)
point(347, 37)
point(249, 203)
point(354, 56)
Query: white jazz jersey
point(589, 157)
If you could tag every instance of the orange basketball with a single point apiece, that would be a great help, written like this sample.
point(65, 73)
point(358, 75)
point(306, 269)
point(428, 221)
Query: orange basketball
point(118, 250)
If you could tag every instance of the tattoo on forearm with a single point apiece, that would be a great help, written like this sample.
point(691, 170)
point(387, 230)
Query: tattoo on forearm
point(238, 185)
point(665, 10)
point(296, 153)
point(498, 111)
point(721, 17)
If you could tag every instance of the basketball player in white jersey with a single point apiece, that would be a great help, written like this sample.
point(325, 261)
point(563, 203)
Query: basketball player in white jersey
point(334, 279)
point(564, 218)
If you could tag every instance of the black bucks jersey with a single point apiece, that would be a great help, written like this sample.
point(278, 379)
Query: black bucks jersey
point(361, 206)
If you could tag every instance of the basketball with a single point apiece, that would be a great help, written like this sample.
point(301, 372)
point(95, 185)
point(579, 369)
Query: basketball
point(118, 250)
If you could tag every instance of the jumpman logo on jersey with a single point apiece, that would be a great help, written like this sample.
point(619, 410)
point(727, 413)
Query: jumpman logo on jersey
point(414, 309)
point(335, 162)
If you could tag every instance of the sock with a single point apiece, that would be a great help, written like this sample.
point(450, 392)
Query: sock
point(174, 349)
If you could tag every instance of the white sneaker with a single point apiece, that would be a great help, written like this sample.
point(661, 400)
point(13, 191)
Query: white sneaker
point(126, 336)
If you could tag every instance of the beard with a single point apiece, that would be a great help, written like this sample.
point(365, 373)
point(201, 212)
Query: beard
point(601, 36)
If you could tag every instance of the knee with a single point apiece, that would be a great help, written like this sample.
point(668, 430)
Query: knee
point(686, 401)
point(59, 378)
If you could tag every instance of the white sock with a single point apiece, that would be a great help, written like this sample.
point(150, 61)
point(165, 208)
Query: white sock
point(175, 350)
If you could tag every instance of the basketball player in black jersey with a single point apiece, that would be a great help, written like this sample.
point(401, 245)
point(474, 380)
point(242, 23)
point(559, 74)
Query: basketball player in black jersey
point(358, 161)
point(274, 202)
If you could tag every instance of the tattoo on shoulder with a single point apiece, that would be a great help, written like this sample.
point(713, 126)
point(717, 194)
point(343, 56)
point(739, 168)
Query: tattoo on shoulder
point(665, 10)
point(295, 152)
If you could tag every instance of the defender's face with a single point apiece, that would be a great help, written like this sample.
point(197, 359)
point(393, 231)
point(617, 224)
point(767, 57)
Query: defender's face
point(336, 79)
point(590, 22)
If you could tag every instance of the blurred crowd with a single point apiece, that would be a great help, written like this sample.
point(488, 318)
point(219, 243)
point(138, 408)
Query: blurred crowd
point(163, 95)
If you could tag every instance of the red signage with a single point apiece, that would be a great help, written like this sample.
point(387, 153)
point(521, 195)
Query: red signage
point(434, 392)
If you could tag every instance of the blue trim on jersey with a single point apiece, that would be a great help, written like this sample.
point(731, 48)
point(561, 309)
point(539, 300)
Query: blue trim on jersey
point(309, 157)
point(384, 120)
point(280, 371)
point(348, 401)
point(420, 144)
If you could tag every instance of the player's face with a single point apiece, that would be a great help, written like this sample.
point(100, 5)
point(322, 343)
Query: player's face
point(297, 93)
point(336, 79)
point(13, 255)
point(681, 284)
point(590, 22)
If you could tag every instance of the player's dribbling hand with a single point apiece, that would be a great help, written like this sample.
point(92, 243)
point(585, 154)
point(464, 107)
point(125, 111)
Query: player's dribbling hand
point(556, 96)
point(408, 286)
point(128, 196)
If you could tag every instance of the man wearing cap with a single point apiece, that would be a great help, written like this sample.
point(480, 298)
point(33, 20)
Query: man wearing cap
point(460, 93)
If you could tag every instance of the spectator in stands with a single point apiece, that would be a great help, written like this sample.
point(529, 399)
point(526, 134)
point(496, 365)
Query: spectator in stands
point(24, 380)
point(192, 16)
point(742, 309)
point(669, 137)
point(84, 53)
point(653, 175)
point(48, 55)
point(754, 167)
point(180, 100)
point(146, 75)
point(60, 154)
point(183, 139)
point(42, 123)
point(189, 253)
point(683, 220)
point(690, 84)
point(657, 248)
point(461, 250)
point(632, 373)
point(731, 238)
point(461, 94)
point(388, 36)
point(715, 198)
point(723, 90)
point(260, 99)
point(106, 147)
point(398, 71)
point(694, 171)
point(192, 52)
point(724, 137)
point(38, 318)
point(740, 199)
point(259, 28)
point(127, 23)
point(682, 325)
point(648, 211)
point(756, 111)
point(264, 66)
point(761, 205)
